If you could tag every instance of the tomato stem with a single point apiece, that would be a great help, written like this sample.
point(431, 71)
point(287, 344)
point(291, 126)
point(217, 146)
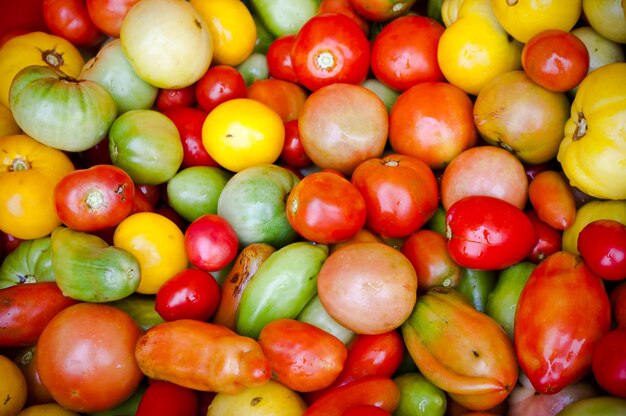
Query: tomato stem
point(19, 164)
point(52, 58)
point(511, 2)
point(581, 127)
point(325, 60)
point(94, 199)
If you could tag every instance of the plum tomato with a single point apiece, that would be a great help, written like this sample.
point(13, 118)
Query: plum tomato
point(609, 362)
point(488, 233)
point(293, 153)
point(70, 20)
point(163, 398)
point(219, 83)
point(602, 244)
point(211, 242)
point(189, 122)
point(190, 294)
point(175, 97)
point(279, 58)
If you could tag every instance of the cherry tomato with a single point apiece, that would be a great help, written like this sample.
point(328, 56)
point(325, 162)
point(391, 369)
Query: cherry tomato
point(189, 122)
point(279, 58)
point(548, 238)
point(211, 242)
point(190, 294)
point(175, 97)
point(330, 48)
point(70, 20)
point(95, 198)
point(404, 53)
point(365, 410)
point(108, 15)
point(602, 244)
point(219, 83)
point(163, 398)
point(555, 59)
point(488, 233)
point(293, 153)
point(609, 362)
point(325, 208)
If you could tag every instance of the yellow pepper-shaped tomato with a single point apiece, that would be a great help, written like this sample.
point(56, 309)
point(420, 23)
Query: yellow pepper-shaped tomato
point(29, 171)
point(593, 152)
point(36, 48)
point(474, 48)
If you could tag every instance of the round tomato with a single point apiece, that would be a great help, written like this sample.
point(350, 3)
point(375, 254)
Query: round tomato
point(326, 208)
point(108, 15)
point(293, 153)
point(488, 233)
point(70, 20)
point(404, 53)
point(284, 97)
point(330, 48)
point(189, 122)
point(12, 387)
point(163, 398)
point(602, 244)
point(609, 362)
point(220, 83)
point(211, 242)
point(87, 350)
point(190, 294)
point(95, 198)
point(168, 98)
point(279, 58)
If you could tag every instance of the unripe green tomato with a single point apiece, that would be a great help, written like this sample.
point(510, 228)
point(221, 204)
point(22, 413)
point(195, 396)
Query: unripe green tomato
point(419, 397)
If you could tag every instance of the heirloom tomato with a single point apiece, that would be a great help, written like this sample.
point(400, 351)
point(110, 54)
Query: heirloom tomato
point(282, 17)
point(8, 126)
point(70, 20)
point(218, 84)
point(29, 171)
point(344, 7)
point(548, 238)
point(602, 244)
point(108, 15)
point(365, 410)
point(26, 361)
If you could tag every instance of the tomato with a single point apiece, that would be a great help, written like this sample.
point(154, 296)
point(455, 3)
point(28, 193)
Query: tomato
point(326, 208)
point(617, 298)
point(88, 349)
point(190, 294)
point(162, 398)
point(434, 122)
point(382, 10)
point(293, 153)
point(365, 410)
point(108, 15)
point(20, 18)
point(609, 362)
point(211, 242)
point(279, 58)
point(26, 361)
point(284, 97)
point(488, 233)
point(553, 199)
point(602, 244)
point(555, 59)
point(12, 387)
point(189, 122)
point(168, 98)
point(70, 20)
point(548, 238)
point(344, 7)
point(219, 83)
point(400, 194)
point(330, 48)
point(404, 53)
point(605, 16)
point(243, 132)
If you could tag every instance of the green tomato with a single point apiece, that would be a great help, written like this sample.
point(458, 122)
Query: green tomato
point(127, 407)
point(30, 262)
point(476, 285)
point(437, 222)
point(146, 144)
point(385, 93)
point(419, 397)
point(595, 406)
point(315, 314)
point(263, 37)
point(284, 17)
point(141, 309)
point(253, 68)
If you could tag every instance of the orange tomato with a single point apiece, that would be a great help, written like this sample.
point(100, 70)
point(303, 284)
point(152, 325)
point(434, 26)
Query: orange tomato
point(553, 199)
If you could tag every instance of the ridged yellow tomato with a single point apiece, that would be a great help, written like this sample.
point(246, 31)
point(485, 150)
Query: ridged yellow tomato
point(36, 48)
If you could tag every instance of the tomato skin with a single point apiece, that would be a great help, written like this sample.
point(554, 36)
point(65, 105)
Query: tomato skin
point(548, 238)
point(488, 233)
point(381, 10)
point(365, 410)
point(293, 153)
point(168, 98)
point(189, 122)
point(284, 97)
point(618, 304)
point(211, 242)
point(553, 199)
point(26, 309)
point(70, 20)
point(602, 244)
point(218, 84)
point(190, 294)
point(609, 362)
point(344, 7)
point(162, 398)
point(279, 58)
point(107, 15)
point(330, 48)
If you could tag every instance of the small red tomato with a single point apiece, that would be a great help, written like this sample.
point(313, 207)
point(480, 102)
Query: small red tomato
point(279, 58)
point(108, 15)
point(211, 242)
point(190, 294)
point(365, 410)
point(609, 362)
point(602, 244)
point(293, 153)
point(163, 398)
point(549, 239)
point(488, 233)
point(69, 19)
point(555, 59)
point(189, 122)
point(176, 97)
point(220, 83)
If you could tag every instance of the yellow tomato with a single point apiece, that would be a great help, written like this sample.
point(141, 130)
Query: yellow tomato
point(243, 132)
point(8, 126)
point(48, 409)
point(36, 48)
point(29, 171)
point(157, 243)
point(607, 17)
point(591, 211)
point(523, 19)
point(232, 28)
point(269, 399)
point(13, 388)
point(593, 151)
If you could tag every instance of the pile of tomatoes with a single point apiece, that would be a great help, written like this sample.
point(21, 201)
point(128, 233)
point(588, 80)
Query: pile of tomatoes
point(312, 207)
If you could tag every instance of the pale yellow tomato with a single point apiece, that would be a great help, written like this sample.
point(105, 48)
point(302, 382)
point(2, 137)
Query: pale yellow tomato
point(157, 243)
point(243, 132)
point(232, 29)
point(607, 17)
point(269, 399)
point(8, 126)
point(13, 387)
point(48, 409)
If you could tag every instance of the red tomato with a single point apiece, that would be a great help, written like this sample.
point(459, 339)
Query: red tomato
point(8, 243)
point(602, 244)
point(162, 398)
point(618, 304)
point(344, 7)
point(69, 19)
point(95, 198)
point(381, 10)
point(279, 58)
point(98, 154)
point(26, 361)
point(330, 48)
point(488, 233)
point(365, 410)
point(20, 17)
point(211, 242)
point(107, 15)
point(400, 193)
point(555, 59)
point(86, 357)
point(189, 122)
point(176, 97)
point(549, 239)
point(303, 356)
point(404, 53)
point(190, 294)
point(325, 208)
point(609, 362)
point(293, 153)
point(220, 83)
point(434, 122)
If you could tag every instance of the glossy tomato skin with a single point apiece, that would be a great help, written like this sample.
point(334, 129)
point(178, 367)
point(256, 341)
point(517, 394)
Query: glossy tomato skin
point(548, 238)
point(211, 242)
point(175, 97)
point(330, 48)
point(70, 20)
point(279, 58)
point(365, 410)
point(618, 304)
point(602, 244)
point(163, 398)
point(108, 15)
point(488, 233)
point(293, 153)
point(190, 294)
point(189, 122)
point(609, 362)
point(219, 83)
point(94, 199)
point(400, 193)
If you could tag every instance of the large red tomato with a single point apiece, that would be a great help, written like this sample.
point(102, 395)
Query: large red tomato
point(70, 20)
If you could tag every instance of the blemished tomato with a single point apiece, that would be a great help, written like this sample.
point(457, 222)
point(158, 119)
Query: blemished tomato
point(95, 198)
point(88, 349)
point(488, 233)
point(70, 20)
point(279, 58)
point(609, 362)
point(548, 238)
point(400, 193)
point(602, 244)
point(293, 153)
point(219, 83)
point(404, 53)
point(330, 48)
point(326, 208)
point(555, 59)
point(168, 98)
point(163, 398)
point(211, 242)
point(189, 122)
point(190, 294)
point(107, 15)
